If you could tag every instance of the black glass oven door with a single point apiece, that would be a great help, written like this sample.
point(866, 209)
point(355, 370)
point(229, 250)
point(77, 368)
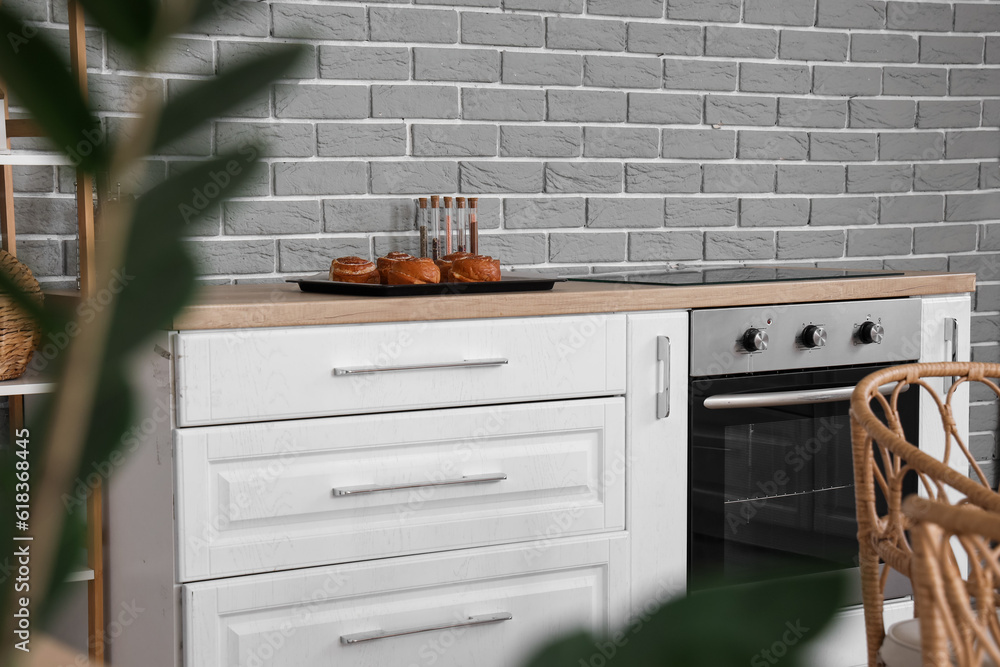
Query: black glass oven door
point(772, 477)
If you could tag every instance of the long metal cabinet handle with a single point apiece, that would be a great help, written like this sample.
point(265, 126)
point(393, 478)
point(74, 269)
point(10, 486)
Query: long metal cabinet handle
point(485, 619)
point(374, 488)
point(779, 398)
point(663, 396)
point(951, 337)
point(477, 363)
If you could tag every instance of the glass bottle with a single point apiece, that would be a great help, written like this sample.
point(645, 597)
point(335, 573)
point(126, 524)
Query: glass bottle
point(449, 218)
point(474, 225)
point(462, 221)
point(422, 225)
point(436, 224)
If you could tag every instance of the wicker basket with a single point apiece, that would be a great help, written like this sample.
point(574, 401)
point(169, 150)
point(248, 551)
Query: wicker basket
point(19, 334)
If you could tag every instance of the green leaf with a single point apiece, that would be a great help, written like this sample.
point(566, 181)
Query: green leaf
point(159, 275)
point(736, 625)
point(130, 22)
point(565, 652)
point(112, 417)
point(766, 623)
point(208, 99)
point(35, 73)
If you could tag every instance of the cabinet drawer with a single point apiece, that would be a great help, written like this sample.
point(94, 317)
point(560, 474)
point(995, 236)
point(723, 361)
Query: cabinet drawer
point(260, 497)
point(267, 374)
point(502, 605)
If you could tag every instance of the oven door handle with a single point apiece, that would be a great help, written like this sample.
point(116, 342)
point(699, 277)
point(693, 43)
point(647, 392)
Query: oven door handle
point(778, 398)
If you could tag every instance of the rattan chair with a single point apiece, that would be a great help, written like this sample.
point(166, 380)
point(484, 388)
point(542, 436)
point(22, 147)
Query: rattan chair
point(957, 616)
point(883, 458)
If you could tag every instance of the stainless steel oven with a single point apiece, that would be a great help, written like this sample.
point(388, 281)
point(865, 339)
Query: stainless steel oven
point(771, 474)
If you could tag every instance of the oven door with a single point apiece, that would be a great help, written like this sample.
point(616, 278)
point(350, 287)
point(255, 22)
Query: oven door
point(772, 474)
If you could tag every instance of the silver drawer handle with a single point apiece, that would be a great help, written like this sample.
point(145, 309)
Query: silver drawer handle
point(476, 363)
point(373, 488)
point(780, 398)
point(485, 619)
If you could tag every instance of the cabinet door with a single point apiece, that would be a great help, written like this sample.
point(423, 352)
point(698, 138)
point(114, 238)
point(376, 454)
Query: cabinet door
point(231, 377)
point(260, 497)
point(657, 454)
point(472, 608)
point(945, 322)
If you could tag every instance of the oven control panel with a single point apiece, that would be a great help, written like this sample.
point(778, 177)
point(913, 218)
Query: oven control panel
point(725, 341)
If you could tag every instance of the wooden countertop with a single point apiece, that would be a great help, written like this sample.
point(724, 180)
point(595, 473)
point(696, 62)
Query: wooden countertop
point(279, 305)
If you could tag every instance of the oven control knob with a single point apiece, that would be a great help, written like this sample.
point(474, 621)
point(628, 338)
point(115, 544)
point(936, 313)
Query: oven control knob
point(871, 332)
point(814, 336)
point(755, 340)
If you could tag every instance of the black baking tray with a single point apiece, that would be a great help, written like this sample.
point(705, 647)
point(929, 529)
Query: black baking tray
point(510, 282)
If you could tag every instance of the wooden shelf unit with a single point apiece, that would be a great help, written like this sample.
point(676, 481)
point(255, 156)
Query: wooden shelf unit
point(32, 383)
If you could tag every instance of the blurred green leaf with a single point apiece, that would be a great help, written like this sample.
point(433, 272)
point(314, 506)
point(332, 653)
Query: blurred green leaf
point(129, 22)
point(112, 416)
point(209, 99)
point(564, 652)
point(159, 275)
point(34, 71)
point(759, 624)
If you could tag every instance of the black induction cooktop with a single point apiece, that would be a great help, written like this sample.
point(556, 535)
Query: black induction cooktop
point(738, 274)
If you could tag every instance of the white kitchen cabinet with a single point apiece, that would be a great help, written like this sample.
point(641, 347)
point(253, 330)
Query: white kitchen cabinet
point(261, 375)
point(488, 608)
point(259, 497)
point(657, 414)
point(944, 336)
point(271, 471)
point(570, 509)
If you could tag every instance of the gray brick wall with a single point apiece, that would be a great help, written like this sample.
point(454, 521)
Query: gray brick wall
point(601, 133)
